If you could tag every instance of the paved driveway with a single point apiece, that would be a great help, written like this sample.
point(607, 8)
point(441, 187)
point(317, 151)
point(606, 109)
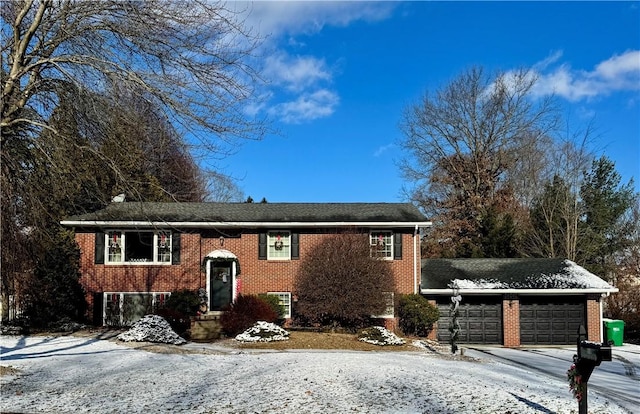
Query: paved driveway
point(618, 380)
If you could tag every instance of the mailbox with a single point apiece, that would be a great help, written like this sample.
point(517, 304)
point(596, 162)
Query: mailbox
point(590, 355)
point(594, 351)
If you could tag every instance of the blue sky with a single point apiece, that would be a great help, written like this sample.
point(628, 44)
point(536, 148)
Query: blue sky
point(341, 73)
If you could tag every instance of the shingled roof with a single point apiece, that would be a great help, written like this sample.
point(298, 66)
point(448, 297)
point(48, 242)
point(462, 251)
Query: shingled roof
point(508, 274)
point(252, 213)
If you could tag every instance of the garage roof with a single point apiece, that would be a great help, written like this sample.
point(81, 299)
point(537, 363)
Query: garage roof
point(509, 275)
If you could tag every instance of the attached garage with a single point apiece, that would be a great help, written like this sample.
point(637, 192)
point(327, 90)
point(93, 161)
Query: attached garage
point(549, 321)
point(514, 302)
point(480, 321)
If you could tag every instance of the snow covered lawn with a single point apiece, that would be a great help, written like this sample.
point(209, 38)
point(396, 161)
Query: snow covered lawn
point(76, 374)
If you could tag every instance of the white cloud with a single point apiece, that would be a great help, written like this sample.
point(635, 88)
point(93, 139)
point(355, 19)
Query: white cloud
point(306, 107)
point(276, 18)
point(381, 150)
point(295, 73)
point(618, 73)
point(299, 85)
point(549, 60)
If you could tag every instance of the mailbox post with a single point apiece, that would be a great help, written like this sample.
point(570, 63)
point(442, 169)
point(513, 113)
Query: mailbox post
point(590, 355)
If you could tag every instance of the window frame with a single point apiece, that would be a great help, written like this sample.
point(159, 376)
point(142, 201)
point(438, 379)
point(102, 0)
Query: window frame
point(122, 246)
point(158, 299)
point(284, 297)
point(389, 245)
point(286, 236)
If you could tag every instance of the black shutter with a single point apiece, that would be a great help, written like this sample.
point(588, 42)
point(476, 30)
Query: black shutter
point(175, 248)
point(397, 246)
point(99, 246)
point(262, 246)
point(295, 246)
point(98, 304)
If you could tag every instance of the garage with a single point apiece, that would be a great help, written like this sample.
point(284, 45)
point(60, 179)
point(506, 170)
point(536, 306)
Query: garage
point(480, 321)
point(549, 321)
point(554, 296)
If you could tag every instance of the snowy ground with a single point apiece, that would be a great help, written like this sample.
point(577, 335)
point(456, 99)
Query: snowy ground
point(76, 374)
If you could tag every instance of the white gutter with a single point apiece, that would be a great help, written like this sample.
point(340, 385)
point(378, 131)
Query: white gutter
point(520, 291)
point(238, 224)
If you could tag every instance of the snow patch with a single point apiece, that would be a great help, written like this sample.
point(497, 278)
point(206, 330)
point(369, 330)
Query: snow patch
point(263, 332)
point(480, 284)
point(377, 335)
point(152, 328)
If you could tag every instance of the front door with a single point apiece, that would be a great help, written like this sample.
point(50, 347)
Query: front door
point(221, 284)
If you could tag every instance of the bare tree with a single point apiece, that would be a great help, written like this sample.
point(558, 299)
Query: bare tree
point(465, 139)
point(126, 72)
point(190, 57)
point(555, 212)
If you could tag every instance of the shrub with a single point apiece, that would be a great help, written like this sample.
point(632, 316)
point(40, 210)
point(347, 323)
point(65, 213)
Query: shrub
point(339, 284)
point(378, 335)
point(179, 308)
point(274, 302)
point(263, 332)
point(417, 315)
point(245, 311)
point(183, 301)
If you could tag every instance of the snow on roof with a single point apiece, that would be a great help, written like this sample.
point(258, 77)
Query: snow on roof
point(509, 274)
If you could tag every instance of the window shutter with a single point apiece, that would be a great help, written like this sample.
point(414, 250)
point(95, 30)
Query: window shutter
point(99, 248)
point(175, 248)
point(295, 246)
point(98, 307)
point(397, 246)
point(262, 246)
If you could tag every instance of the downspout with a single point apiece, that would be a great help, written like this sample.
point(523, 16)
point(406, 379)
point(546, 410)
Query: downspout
point(600, 303)
point(602, 296)
point(415, 261)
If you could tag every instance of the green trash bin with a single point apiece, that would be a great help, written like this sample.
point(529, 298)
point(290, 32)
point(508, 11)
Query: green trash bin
point(614, 330)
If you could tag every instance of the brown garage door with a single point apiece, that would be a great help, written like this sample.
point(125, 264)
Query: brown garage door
point(480, 321)
point(545, 321)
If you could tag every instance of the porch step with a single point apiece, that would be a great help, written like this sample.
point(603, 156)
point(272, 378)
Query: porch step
point(206, 327)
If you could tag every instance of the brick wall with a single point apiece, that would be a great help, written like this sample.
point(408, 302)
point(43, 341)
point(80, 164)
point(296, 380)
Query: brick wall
point(594, 323)
point(511, 321)
point(257, 276)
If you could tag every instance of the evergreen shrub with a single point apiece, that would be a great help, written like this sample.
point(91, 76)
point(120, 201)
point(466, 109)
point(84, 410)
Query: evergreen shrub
point(417, 315)
point(274, 302)
point(179, 308)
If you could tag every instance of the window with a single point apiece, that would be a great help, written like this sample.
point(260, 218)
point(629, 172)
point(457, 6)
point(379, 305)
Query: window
point(138, 247)
point(285, 302)
point(125, 308)
point(164, 247)
point(381, 243)
point(278, 245)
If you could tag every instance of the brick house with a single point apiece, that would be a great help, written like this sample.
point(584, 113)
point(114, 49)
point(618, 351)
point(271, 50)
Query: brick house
point(514, 302)
point(133, 255)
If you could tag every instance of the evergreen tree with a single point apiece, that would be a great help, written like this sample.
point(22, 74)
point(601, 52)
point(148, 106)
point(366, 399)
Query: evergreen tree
point(605, 202)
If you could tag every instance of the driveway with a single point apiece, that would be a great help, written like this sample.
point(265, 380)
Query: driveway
point(619, 379)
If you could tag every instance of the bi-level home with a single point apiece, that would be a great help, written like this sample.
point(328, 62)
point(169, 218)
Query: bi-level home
point(133, 255)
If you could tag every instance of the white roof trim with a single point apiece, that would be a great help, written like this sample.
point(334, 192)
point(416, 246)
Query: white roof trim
point(240, 224)
point(221, 254)
point(520, 291)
